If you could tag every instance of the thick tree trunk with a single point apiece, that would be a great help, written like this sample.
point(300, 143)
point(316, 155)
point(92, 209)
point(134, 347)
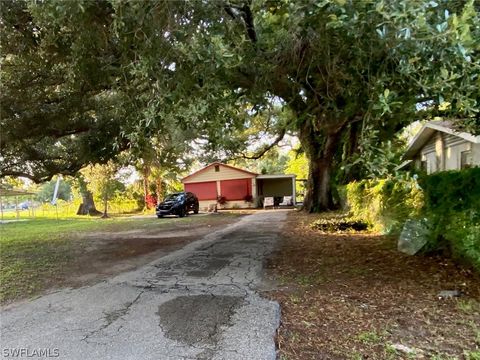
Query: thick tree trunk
point(319, 192)
point(87, 207)
point(320, 156)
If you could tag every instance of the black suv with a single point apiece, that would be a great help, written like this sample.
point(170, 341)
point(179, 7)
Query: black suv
point(178, 204)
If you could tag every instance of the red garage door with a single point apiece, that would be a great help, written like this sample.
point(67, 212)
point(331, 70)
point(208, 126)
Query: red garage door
point(203, 190)
point(236, 189)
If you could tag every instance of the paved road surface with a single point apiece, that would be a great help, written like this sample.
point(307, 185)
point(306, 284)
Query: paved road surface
point(199, 302)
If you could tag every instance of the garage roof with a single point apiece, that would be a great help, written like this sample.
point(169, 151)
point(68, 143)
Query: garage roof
point(277, 176)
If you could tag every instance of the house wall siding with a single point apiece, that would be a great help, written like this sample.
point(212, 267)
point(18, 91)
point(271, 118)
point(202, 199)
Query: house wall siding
point(454, 155)
point(224, 173)
point(429, 146)
point(452, 140)
point(428, 154)
point(444, 152)
point(476, 154)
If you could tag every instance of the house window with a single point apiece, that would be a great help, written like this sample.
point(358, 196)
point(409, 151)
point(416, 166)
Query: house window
point(466, 159)
point(217, 168)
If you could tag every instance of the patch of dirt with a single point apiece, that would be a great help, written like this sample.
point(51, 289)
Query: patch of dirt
point(354, 296)
point(96, 256)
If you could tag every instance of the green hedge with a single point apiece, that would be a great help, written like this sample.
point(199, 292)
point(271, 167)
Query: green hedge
point(385, 204)
point(452, 204)
point(450, 201)
point(450, 192)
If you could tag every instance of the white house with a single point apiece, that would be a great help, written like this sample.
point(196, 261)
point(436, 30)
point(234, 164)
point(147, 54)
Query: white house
point(437, 147)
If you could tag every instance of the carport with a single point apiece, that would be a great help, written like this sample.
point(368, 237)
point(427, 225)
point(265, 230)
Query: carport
point(276, 186)
point(16, 194)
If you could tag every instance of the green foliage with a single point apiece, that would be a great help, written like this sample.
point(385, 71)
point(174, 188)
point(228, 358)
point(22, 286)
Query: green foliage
point(339, 225)
point(378, 156)
point(369, 337)
point(449, 200)
point(45, 193)
point(9, 182)
point(272, 165)
point(102, 180)
point(472, 355)
point(272, 162)
point(452, 203)
point(450, 192)
point(105, 76)
point(385, 204)
point(297, 164)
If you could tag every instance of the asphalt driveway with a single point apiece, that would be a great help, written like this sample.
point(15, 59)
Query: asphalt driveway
point(199, 302)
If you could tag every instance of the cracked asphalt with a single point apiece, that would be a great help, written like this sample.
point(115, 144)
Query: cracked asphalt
point(199, 302)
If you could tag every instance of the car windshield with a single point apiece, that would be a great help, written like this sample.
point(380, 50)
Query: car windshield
point(174, 197)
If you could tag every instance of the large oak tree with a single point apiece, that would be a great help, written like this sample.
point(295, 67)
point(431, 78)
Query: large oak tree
point(82, 81)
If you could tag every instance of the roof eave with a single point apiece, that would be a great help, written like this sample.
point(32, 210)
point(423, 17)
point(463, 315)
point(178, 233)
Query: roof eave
point(427, 131)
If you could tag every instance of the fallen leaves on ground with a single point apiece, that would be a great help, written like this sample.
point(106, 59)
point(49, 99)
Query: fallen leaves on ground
point(354, 296)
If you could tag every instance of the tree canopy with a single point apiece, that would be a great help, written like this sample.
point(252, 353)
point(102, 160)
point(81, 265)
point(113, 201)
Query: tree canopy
point(84, 81)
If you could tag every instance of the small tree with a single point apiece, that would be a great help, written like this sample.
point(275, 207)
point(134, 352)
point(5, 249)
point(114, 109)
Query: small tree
point(103, 183)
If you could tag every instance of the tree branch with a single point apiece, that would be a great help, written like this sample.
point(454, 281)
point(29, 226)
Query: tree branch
point(246, 14)
point(266, 148)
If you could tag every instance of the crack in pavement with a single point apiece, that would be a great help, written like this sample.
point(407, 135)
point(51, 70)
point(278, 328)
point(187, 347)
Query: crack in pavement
point(198, 302)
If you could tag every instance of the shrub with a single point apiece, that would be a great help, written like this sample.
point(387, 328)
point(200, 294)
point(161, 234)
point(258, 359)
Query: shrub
point(339, 225)
point(450, 192)
point(222, 200)
point(462, 236)
point(248, 198)
point(448, 200)
point(384, 204)
point(452, 203)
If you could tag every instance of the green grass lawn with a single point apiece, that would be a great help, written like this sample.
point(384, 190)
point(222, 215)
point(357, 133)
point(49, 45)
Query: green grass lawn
point(34, 252)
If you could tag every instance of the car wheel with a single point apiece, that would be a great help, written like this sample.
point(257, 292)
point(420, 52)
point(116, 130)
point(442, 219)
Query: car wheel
point(195, 211)
point(159, 216)
point(182, 213)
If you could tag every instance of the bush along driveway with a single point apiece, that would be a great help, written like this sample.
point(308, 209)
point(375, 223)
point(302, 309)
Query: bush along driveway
point(354, 296)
